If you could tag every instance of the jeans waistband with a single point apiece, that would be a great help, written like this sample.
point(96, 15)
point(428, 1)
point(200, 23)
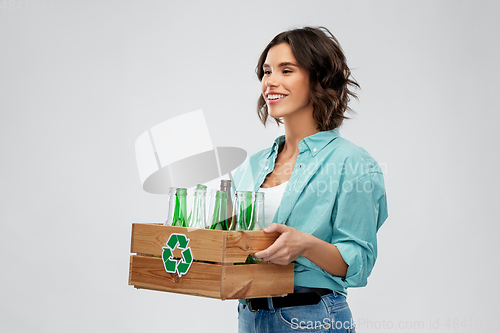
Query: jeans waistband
point(301, 296)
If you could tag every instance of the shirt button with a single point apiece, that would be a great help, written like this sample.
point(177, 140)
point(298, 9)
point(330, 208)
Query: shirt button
point(314, 150)
point(266, 168)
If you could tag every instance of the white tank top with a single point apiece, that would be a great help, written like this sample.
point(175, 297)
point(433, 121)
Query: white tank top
point(272, 200)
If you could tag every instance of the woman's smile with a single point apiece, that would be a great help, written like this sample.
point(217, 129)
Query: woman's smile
point(273, 98)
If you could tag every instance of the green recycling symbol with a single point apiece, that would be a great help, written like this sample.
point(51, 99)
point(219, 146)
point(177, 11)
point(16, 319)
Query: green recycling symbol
point(180, 266)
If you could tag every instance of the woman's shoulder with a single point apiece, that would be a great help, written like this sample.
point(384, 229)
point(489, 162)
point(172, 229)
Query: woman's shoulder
point(343, 151)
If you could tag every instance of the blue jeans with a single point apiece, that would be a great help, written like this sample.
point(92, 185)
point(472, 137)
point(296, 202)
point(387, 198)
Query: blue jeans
point(331, 314)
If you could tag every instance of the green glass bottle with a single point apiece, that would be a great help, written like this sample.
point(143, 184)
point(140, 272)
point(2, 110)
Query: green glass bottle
point(180, 211)
point(219, 217)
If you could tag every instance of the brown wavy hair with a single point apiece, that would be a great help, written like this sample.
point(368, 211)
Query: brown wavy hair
point(319, 53)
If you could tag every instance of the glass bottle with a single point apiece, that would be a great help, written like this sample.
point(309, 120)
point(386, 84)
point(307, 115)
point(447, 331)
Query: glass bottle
point(180, 211)
point(225, 185)
point(219, 217)
point(210, 208)
point(258, 211)
point(197, 216)
point(250, 223)
point(257, 222)
point(239, 210)
point(243, 210)
point(170, 205)
point(201, 187)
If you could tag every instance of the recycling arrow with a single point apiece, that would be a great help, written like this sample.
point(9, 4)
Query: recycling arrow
point(172, 265)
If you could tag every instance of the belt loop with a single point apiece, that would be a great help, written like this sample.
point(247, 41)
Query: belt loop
point(270, 304)
point(335, 294)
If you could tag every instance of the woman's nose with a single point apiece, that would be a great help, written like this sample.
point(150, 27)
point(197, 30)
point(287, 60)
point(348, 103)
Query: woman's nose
point(271, 82)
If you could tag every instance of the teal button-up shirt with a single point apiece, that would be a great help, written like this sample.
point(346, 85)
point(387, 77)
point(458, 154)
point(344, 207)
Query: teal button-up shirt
point(336, 193)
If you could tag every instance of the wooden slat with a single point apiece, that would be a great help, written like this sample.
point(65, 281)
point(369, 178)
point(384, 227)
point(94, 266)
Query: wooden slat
point(257, 280)
point(201, 280)
point(239, 244)
point(149, 238)
point(206, 245)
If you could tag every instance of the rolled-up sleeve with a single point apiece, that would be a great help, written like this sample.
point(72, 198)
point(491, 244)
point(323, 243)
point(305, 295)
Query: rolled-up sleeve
point(359, 211)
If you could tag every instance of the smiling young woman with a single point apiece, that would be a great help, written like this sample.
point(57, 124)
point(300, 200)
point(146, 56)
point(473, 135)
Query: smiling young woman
point(325, 195)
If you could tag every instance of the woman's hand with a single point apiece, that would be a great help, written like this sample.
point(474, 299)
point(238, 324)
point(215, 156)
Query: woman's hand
point(290, 245)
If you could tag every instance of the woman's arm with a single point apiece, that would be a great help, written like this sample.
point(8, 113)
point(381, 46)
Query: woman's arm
point(293, 243)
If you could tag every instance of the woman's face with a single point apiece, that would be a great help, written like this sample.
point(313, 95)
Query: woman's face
point(285, 86)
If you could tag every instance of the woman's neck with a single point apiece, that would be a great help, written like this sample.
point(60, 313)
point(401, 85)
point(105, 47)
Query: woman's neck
point(296, 129)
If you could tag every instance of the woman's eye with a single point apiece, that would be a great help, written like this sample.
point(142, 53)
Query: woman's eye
point(267, 72)
point(286, 71)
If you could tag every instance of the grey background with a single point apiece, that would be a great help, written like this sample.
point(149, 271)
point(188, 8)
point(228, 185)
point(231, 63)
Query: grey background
point(81, 80)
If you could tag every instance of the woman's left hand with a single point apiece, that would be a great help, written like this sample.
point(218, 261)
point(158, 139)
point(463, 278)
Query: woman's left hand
point(290, 245)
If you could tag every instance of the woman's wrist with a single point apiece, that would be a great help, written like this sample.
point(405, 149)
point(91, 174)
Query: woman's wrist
point(324, 255)
point(308, 245)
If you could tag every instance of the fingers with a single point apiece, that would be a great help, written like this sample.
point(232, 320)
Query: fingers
point(277, 253)
point(280, 257)
point(281, 251)
point(275, 227)
point(271, 250)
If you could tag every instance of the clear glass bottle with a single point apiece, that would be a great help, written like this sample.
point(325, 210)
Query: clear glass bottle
point(170, 205)
point(258, 211)
point(197, 216)
point(249, 215)
point(210, 208)
point(243, 210)
point(250, 223)
point(225, 185)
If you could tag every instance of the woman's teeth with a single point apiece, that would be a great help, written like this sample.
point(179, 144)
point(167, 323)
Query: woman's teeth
point(271, 97)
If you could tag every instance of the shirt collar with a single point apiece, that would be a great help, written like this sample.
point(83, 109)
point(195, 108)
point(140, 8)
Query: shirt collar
point(277, 142)
point(315, 143)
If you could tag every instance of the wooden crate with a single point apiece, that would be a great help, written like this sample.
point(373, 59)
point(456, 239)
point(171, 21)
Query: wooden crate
point(221, 274)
